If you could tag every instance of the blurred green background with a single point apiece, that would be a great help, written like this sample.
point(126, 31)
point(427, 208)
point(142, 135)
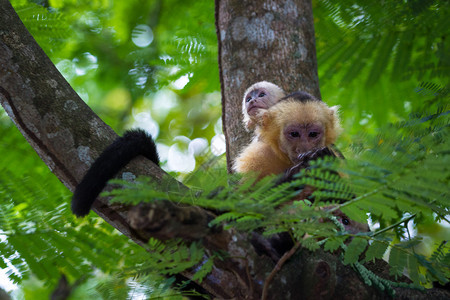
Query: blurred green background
point(153, 64)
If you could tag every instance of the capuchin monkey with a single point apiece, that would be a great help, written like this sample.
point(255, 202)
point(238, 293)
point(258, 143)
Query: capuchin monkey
point(134, 143)
point(257, 99)
point(297, 129)
point(292, 131)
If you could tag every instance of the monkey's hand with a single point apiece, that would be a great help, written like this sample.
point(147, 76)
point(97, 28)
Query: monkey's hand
point(303, 161)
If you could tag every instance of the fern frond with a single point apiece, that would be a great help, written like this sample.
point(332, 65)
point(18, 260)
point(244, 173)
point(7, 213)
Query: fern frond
point(42, 22)
point(392, 181)
point(354, 250)
point(39, 234)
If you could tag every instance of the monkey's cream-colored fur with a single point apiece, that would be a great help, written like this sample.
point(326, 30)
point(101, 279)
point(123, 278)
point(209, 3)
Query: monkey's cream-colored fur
point(268, 154)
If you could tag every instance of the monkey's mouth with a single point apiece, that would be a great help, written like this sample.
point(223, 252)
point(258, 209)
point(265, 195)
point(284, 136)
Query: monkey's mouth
point(252, 110)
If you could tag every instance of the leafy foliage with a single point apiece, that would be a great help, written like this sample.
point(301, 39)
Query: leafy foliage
point(39, 235)
point(376, 183)
point(52, 26)
point(370, 55)
point(97, 54)
point(373, 55)
point(192, 49)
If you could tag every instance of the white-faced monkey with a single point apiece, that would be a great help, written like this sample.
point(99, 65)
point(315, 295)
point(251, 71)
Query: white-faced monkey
point(257, 99)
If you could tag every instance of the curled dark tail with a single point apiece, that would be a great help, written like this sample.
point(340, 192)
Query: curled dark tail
point(134, 143)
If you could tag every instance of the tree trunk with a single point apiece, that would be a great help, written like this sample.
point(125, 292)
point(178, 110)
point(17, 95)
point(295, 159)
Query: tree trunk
point(68, 137)
point(270, 40)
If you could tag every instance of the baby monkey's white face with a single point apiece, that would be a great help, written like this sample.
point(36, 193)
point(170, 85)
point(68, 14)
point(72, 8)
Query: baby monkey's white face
point(257, 99)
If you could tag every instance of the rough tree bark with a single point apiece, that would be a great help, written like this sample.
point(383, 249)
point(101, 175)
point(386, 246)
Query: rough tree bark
point(268, 40)
point(68, 136)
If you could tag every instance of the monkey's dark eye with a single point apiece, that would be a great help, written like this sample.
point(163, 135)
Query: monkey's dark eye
point(248, 99)
point(345, 221)
point(262, 94)
point(294, 134)
point(313, 134)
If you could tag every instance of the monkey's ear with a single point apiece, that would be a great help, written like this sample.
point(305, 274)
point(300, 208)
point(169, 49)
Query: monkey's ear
point(335, 110)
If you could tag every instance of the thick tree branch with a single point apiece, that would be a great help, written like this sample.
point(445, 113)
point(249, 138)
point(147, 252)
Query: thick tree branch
point(68, 135)
point(62, 129)
point(165, 220)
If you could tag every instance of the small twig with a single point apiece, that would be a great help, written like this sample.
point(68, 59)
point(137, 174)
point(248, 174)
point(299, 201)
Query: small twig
point(277, 268)
point(405, 220)
point(356, 199)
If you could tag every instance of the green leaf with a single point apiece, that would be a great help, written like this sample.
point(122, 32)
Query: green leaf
point(413, 269)
point(332, 244)
point(204, 270)
point(382, 58)
point(376, 250)
point(397, 261)
point(354, 250)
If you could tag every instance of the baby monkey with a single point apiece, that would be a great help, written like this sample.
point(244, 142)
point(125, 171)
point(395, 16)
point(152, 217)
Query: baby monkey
point(257, 99)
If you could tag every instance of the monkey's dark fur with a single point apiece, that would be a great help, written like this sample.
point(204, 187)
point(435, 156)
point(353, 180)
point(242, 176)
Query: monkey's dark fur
point(301, 96)
point(134, 143)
